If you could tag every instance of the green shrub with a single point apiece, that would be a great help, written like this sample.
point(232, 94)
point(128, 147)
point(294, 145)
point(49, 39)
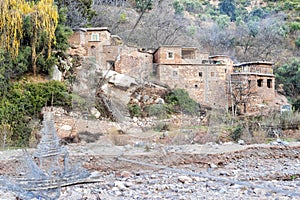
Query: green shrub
point(134, 110)
point(192, 6)
point(178, 6)
point(159, 110)
point(23, 102)
point(142, 5)
point(51, 93)
point(180, 98)
point(237, 133)
point(297, 42)
point(296, 104)
point(289, 120)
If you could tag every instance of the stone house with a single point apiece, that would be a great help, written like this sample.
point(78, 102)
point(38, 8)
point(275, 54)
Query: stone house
point(252, 85)
point(213, 81)
point(216, 81)
point(109, 52)
point(89, 42)
point(188, 68)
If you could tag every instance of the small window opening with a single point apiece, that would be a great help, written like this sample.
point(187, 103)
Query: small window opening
point(95, 37)
point(259, 82)
point(111, 65)
point(200, 74)
point(175, 73)
point(269, 83)
point(196, 86)
point(170, 55)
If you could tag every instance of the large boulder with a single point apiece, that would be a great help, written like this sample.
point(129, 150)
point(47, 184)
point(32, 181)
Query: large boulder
point(120, 80)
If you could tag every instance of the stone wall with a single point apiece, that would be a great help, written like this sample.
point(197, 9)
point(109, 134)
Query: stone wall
point(77, 38)
point(179, 55)
point(223, 59)
point(180, 67)
point(260, 92)
point(206, 84)
point(110, 53)
point(134, 63)
point(168, 55)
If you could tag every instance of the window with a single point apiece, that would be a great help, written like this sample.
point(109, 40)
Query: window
point(200, 74)
point(269, 83)
point(95, 37)
point(175, 74)
point(212, 74)
point(249, 83)
point(93, 51)
point(259, 82)
point(188, 53)
point(196, 86)
point(111, 65)
point(170, 55)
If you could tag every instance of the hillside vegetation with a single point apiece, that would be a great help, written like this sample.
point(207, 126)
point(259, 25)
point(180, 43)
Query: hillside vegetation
point(244, 29)
point(34, 37)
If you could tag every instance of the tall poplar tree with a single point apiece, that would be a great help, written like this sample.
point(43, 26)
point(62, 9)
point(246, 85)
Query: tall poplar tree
point(11, 24)
point(43, 21)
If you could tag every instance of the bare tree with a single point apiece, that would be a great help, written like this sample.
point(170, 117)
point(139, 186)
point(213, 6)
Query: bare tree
point(149, 28)
point(261, 40)
point(241, 89)
point(161, 26)
point(216, 39)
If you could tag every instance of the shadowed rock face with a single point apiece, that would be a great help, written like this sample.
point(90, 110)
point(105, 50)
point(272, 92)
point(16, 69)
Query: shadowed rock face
point(47, 170)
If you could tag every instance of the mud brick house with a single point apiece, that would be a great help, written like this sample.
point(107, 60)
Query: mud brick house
point(213, 81)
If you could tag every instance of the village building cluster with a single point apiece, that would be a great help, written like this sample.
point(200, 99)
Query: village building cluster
point(214, 81)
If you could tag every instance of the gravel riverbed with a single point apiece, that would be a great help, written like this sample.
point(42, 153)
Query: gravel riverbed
point(191, 172)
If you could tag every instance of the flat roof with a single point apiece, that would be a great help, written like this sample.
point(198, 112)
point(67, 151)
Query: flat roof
point(182, 48)
point(213, 56)
point(251, 73)
point(92, 29)
point(253, 63)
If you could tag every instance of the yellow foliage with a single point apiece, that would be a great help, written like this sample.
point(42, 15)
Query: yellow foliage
point(11, 24)
point(44, 17)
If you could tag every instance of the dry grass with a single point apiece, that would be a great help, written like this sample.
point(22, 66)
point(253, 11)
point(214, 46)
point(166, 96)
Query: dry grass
point(117, 137)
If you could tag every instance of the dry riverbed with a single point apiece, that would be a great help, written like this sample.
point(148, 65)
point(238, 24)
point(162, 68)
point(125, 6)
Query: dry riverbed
point(156, 171)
